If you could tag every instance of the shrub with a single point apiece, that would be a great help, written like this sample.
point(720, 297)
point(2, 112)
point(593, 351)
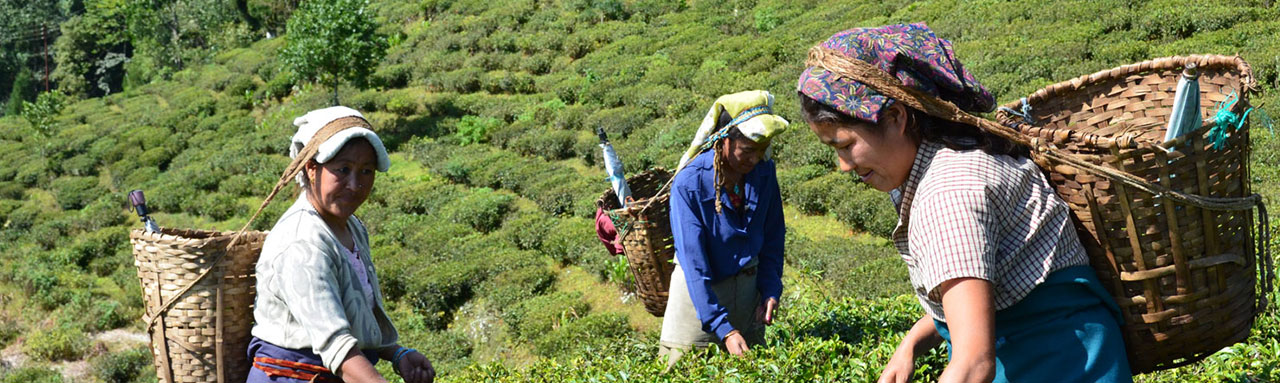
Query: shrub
point(437, 291)
point(63, 342)
point(540, 315)
point(592, 331)
point(31, 374)
point(474, 129)
point(527, 230)
point(512, 286)
point(74, 193)
point(551, 145)
point(127, 366)
point(867, 209)
point(483, 209)
point(9, 331)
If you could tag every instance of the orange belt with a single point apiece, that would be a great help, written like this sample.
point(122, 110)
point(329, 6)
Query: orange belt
point(295, 370)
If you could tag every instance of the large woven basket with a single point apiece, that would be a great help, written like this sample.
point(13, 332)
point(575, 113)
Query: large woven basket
point(646, 235)
point(1183, 275)
point(199, 299)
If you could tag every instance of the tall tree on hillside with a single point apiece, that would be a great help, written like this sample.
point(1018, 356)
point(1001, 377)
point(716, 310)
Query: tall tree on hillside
point(28, 29)
point(333, 40)
point(24, 89)
point(84, 51)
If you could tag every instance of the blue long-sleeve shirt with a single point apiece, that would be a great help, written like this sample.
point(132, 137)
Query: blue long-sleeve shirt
point(711, 247)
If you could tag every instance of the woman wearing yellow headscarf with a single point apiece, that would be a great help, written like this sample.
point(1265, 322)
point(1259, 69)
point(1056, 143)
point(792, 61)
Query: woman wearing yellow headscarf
point(726, 219)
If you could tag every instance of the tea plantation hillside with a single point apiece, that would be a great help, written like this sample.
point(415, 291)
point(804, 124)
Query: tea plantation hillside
point(482, 232)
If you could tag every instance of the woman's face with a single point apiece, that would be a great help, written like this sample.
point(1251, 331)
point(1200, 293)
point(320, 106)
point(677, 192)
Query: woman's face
point(881, 156)
point(742, 154)
point(341, 185)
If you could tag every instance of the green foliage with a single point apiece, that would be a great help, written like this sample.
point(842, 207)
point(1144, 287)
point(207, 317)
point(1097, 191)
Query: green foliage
point(74, 193)
point(517, 285)
point(24, 90)
point(332, 41)
point(9, 331)
point(483, 209)
point(131, 365)
point(31, 374)
point(61, 342)
point(533, 318)
point(40, 113)
point(92, 47)
point(474, 129)
point(597, 330)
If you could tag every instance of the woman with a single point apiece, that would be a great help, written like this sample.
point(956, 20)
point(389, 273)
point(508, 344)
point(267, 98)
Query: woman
point(319, 312)
point(726, 220)
point(991, 251)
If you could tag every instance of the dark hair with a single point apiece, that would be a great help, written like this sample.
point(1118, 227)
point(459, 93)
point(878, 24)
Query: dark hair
point(954, 135)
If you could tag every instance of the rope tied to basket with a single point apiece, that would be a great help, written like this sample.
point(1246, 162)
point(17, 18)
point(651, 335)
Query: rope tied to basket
point(296, 166)
point(1043, 152)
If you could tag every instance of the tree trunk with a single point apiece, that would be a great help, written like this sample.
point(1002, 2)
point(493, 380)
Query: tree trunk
point(335, 94)
point(176, 35)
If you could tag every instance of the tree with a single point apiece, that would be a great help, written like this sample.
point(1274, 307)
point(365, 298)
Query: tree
point(86, 43)
point(333, 40)
point(24, 89)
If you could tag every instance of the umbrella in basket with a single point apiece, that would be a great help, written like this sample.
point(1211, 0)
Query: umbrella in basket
point(1186, 115)
point(613, 166)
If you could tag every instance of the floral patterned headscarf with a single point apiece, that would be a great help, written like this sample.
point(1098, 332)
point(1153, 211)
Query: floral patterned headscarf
point(909, 52)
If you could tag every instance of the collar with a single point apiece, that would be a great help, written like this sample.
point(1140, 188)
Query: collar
point(903, 195)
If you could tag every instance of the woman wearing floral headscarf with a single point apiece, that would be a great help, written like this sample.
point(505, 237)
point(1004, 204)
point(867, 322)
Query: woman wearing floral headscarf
point(726, 220)
point(992, 254)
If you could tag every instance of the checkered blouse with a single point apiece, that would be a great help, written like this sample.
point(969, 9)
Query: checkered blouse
point(966, 213)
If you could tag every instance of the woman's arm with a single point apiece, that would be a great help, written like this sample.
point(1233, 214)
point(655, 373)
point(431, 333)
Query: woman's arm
point(922, 337)
point(971, 316)
point(356, 368)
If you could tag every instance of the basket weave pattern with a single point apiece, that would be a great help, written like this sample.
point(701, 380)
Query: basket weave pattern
point(645, 228)
point(204, 335)
point(1184, 276)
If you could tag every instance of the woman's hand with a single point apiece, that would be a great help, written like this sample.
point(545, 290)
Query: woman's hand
point(764, 312)
point(900, 366)
point(415, 368)
point(736, 344)
point(922, 337)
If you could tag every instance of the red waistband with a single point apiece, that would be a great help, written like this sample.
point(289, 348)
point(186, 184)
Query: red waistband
point(295, 370)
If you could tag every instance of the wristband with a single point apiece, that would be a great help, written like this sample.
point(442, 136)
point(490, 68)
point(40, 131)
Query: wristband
point(400, 353)
point(731, 332)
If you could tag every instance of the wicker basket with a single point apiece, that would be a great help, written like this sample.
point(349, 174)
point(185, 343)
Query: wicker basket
point(203, 333)
point(1184, 276)
point(646, 235)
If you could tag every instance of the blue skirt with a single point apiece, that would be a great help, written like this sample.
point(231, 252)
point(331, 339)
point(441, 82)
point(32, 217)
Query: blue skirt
point(260, 351)
point(1066, 330)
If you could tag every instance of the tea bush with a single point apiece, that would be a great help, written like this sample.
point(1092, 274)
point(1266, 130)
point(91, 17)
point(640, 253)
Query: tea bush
point(131, 365)
point(61, 342)
point(596, 330)
point(532, 318)
point(31, 374)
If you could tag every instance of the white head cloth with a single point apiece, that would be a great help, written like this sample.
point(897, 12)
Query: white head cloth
point(313, 121)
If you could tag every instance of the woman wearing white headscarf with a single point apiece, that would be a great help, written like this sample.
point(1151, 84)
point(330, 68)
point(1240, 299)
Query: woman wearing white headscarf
point(319, 312)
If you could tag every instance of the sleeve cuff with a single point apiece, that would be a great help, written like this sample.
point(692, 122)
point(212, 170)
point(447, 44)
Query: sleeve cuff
point(333, 355)
point(723, 330)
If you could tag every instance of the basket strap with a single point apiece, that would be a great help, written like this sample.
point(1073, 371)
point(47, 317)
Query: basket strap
point(296, 166)
point(878, 80)
point(1264, 260)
